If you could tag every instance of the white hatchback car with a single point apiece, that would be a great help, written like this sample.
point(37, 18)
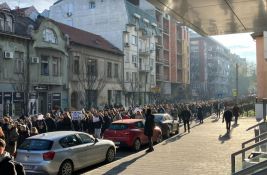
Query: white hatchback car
point(63, 152)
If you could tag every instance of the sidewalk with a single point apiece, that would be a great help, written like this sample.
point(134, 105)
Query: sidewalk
point(205, 150)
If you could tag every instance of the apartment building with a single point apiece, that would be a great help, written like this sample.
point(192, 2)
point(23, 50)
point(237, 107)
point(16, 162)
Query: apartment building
point(130, 29)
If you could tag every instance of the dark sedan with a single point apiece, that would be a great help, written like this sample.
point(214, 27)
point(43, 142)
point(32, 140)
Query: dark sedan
point(167, 124)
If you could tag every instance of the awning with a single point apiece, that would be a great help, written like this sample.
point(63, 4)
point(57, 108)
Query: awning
point(214, 17)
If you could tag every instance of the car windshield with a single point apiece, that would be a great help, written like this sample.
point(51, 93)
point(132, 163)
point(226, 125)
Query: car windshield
point(158, 118)
point(118, 126)
point(36, 144)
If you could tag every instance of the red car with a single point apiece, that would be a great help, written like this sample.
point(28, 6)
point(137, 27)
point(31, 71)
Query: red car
point(130, 133)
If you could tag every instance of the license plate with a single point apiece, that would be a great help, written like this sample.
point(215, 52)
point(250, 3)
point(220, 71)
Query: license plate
point(28, 167)
point(117, 143)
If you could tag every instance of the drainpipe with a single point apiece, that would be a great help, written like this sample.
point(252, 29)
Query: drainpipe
point(27, 77)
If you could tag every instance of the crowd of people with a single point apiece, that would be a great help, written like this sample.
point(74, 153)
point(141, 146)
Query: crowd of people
point(95, 122)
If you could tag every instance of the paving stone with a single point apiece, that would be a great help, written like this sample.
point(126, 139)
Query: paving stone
point(204, 151)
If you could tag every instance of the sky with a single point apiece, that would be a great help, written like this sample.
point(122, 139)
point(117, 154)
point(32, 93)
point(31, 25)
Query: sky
point(240, 44)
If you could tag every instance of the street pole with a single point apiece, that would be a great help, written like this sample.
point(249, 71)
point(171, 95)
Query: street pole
point(236, 84)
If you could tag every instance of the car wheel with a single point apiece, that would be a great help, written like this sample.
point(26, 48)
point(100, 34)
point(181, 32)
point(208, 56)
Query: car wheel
point(110, 155)
point(66, 168)
point(137, 145)
point(168, 133)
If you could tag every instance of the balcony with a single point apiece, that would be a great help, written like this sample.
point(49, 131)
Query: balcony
point(145, 68)
point(145, 52)
point(159, 77)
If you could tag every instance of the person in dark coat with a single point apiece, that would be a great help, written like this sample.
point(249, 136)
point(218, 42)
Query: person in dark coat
point(227, 116)
point(50, 123)
point(200, 114)
point(236, 113)
point(6, 166)
point(67, 123)
point(23, 134)
point(186, 114)
point(149, 128)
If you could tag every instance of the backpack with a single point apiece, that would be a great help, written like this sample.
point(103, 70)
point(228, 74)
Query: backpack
point(19, 167)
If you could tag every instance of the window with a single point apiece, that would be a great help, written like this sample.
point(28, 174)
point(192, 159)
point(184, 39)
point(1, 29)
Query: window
point(116, 71)
point(69, 141)
point(134, 78)
point(49, 36)
point(134, 40)
point(19, 62)
point(8, 24)
point(76, 65)
point(44, 65)
point(92, 68)
point(152, 47)
point(136, 21)
point(127, 76)
point(86, 139)
point(2, 22)
point(134, 59)
point(109, 70)
point(139, 124)
point(36, 145)
point(55, 64)
point(127, 57)
point(91, 4)
point(152, 79)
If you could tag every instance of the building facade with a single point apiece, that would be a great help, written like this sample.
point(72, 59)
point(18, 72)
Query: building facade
point(130, 29)
point(94, 78)
point(172, 55)
point(212, 71)
point(14, 53)
point(46, 65)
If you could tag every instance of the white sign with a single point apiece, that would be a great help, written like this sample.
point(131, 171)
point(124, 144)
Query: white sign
point(77, 115)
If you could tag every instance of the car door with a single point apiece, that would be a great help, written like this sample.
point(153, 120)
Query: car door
point(141, 126)
point(94, 151)
point(73, 149)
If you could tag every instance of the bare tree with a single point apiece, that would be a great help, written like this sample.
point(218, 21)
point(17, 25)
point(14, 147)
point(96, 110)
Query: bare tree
point(91, 83)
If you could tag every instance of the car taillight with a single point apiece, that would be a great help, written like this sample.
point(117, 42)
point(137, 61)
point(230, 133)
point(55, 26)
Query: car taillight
point(49, 155)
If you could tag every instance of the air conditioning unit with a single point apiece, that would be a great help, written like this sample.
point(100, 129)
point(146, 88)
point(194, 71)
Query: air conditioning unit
point(8, 55)
point(35, 60)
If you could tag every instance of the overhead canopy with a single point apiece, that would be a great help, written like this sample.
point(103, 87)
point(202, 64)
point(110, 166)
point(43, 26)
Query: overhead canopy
point(216, 17)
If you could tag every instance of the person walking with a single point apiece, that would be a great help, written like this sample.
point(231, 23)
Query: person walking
point(149, 128)
point(186, 114)
point(97, 123)
point(6, 166)
point(200, 114)
point(227, 116)
point(236, 113)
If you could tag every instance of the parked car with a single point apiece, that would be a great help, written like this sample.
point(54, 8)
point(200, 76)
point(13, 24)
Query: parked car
point(63, 152)
point(167, 124)
point(130, 133)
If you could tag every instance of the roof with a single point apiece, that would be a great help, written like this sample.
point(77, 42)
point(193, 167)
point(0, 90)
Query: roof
point(128, 121)
point(22, 23)
point(54, 135)
point(134, 11)
point(4, 6)
point(214, 17)
point(87, 39)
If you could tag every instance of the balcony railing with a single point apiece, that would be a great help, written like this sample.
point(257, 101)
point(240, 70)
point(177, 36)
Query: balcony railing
point(145, 68)
point(144, 52)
